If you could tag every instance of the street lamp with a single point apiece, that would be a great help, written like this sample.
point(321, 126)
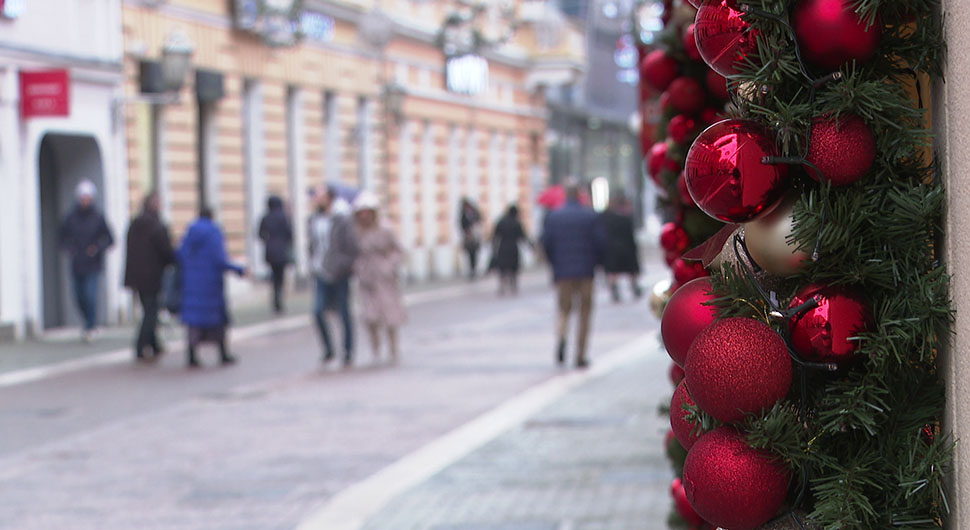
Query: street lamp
point(394, 95)
point(176, 59)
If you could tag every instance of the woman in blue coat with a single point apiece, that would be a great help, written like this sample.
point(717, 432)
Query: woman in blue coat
point(202, 258)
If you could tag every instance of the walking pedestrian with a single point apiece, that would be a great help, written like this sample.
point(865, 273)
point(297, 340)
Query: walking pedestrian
point(574, 241)
point(276, 232)
point(333, 249)
point(471, 234)
point(85, 236)
point(203, 261)
point(622, 257)
point(376, 268)
point(506, 237)
point(148, 251)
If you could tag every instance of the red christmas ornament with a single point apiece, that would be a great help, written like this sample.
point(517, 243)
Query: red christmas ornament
point(676, 374)
point(658, 162)
point(685, 198)
point(726, 175)
point(671, 256)
point(658, 69)
point(710, 116)
point(724, 38)
point(732, 485)
point(843, 149)
point(673, 237)
point(681, 127)
point(737, 366)
point(831, 34)
point(685, 271)
point(717, 85)
point(669, 439)
point(687, 96)
point(690, 44)
point(665, 105)
point(685, 317)
point(822, 334)
point(682, 505)
point(646, 140)
point(685, 431)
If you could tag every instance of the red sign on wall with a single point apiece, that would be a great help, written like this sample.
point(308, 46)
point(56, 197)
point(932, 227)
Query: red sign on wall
point(45, 93)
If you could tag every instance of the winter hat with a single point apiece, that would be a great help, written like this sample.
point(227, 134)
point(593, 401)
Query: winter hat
point(87, 189)
point(366, 201)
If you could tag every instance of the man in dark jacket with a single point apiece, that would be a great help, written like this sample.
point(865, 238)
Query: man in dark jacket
point(85, 237)
point(277, 235)
point(149, 251)
point(574, 241)
point(333, 249)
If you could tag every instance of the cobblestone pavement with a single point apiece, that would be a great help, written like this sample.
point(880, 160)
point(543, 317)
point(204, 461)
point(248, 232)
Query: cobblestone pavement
point(591, 461)
point(261, 444)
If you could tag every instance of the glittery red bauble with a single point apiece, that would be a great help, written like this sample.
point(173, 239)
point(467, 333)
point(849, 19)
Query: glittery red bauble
point(658, 162)
point(831, 34)
point(681, 127)
point(724, 38)
point(725, 173)
point(717, 85)
point(673, 237)
point(658, 69)
point(685, 431)
point(676, 373)
point(690, 44)
point(684, 193)
point(685, 271)
point(646, 140)
point(685, 316)
point(737, 366)
point(732, 485)
point(822, 334)
point(682, 505)
point(687, 96)
point(843, 149)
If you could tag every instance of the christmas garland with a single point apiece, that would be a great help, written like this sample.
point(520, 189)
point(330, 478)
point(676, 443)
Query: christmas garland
point(811, 397)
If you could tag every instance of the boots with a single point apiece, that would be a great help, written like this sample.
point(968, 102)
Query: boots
point(224, 356)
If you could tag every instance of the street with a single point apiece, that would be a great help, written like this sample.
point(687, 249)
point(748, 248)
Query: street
point(277, 441)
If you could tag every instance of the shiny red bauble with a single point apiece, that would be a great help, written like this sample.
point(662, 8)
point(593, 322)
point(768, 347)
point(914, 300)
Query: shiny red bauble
point(824, 333)
point(842, 149)
point(737, 366)
point(685, 316)
point(684, 509)
point(687, 96)
point(690, 44)
point(658, 69)
point(724, 38)
point(676, 374)
point(732, 485)
point(681, 128)
point(658, 162)
point(686, 271)
point(717, 85)
point(673, 238)
point(726, 175)
point(686, 432)
point(685, 198)
point(831, 34)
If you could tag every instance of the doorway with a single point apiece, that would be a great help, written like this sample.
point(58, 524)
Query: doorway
point(64, 161)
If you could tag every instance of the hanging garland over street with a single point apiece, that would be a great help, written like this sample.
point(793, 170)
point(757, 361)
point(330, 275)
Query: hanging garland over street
point(812, 399)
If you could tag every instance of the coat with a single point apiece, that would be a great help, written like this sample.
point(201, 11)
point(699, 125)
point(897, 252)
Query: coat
point(506, 237)
point(621, 248)
point(376, 268)
point(82, 229)
point(574, 241)
point(148, 251)
point(203, 261)
point(337, 263)
point(276, 233)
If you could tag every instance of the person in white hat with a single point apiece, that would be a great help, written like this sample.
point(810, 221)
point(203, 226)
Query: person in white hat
point(85, 237)
point(379, 258)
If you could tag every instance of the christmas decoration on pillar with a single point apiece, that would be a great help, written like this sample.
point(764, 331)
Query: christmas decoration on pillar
point(725, 38)
point(685, 316)
point(768, 241)
point(687, 95)
point(843, 149)
point(830, 330)
point(659, 70)
point(831, 34)
point(683, 505)
point(726, 174)
point(686, 431)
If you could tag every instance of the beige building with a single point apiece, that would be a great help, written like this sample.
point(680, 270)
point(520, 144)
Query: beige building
point(364, 97)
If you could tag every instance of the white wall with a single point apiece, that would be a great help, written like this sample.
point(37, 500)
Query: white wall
point(76, 28)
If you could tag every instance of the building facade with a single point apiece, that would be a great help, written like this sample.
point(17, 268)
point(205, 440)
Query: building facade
point(61, 86)
point(357, 93)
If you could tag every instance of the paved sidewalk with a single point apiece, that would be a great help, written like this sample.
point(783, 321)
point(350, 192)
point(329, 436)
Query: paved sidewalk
point(593, 460)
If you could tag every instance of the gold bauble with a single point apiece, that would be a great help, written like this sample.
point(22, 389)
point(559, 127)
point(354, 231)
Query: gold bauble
point(659, 296)
point(787, 523)
point(767, 241)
